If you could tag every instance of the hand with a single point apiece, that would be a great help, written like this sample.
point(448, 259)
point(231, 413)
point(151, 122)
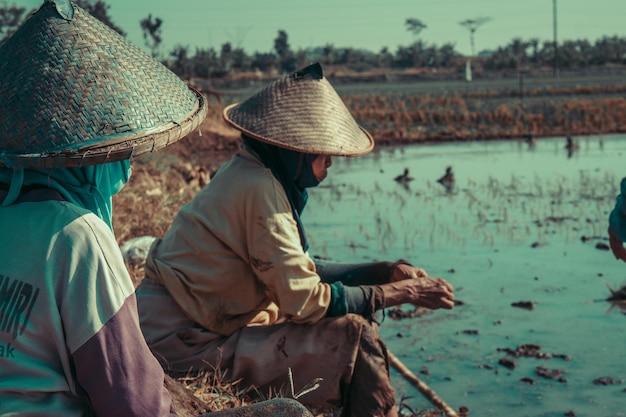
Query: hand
point(617, 246)
point(424, 291)
point(404, 271)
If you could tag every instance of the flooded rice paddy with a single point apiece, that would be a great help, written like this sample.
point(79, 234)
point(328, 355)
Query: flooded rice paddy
point(522, 237)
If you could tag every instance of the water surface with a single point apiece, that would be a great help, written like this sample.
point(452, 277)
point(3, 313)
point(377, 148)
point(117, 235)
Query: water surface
point(522, 224)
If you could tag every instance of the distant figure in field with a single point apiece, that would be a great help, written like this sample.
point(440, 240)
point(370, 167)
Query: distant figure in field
point(404, 178)
point(570, 145)
point(448, 179)
point(617, 224)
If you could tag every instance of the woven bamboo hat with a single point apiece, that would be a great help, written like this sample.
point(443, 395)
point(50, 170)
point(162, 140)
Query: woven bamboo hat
point(301, 112)
point(73, 92)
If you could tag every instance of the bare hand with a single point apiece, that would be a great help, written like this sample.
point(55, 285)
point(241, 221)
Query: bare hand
point(406, 271)
point(424, 291)
point(617, 246)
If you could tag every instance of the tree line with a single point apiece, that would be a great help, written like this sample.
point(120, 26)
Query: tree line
point(226, 60)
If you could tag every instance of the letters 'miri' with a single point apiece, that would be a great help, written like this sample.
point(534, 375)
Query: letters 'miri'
point(17, 299)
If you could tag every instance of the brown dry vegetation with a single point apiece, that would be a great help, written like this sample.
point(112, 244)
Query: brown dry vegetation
point(162, 182)
point(402, 118)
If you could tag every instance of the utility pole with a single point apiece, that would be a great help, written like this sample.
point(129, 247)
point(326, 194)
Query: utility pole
point(556, 45)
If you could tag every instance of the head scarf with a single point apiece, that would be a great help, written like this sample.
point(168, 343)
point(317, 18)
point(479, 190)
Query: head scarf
point(90, 187)
point(294, 171)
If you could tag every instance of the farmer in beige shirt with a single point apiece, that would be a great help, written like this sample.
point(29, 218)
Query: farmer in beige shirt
point(232, 286)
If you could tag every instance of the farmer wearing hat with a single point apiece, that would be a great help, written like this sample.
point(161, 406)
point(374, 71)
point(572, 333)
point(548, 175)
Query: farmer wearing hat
point(76, 103)
point(231, 285)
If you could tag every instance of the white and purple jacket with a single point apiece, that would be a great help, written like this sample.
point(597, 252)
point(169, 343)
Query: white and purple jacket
point(70, 342)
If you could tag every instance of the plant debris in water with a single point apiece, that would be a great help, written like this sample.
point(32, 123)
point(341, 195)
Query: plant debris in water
point(556, 374)
point(531, 350)
point(526, 305)
point(397, 313)
point(607, 380)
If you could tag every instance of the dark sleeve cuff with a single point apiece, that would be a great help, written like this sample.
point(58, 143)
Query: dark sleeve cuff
point(338, 303)
point(364, 300)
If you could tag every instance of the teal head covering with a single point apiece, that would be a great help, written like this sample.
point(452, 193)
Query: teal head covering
point(90, 187)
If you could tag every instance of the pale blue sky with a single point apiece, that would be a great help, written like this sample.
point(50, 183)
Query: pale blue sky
point(369, 24)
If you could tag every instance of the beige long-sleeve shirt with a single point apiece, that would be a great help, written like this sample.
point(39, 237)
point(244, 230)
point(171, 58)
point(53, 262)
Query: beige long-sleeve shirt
point(232, 256)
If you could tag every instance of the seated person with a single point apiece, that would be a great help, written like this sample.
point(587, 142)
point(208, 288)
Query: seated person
point(231, 285)
point(72, 113)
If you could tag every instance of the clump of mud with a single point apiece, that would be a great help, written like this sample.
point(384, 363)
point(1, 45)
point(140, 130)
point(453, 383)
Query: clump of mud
point(531, 350)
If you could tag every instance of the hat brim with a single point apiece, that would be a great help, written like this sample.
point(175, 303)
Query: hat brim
point(301, 112)
point(115, 148)
point(366, 147)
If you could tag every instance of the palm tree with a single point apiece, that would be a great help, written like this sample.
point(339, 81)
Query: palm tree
point(152, 33)
point(472, 25)
point(415, 26)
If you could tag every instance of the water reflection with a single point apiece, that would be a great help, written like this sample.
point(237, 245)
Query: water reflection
point(571, 146)
point(530, 140)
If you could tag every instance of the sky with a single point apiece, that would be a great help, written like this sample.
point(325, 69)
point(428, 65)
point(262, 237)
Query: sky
point(363, 24)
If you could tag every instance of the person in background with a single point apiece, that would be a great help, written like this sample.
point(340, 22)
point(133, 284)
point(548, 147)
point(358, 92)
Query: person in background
point(77, 103)
point(617, 224)
point(232, 286)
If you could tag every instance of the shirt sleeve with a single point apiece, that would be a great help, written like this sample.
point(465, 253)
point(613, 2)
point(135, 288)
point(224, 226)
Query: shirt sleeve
point(119, 373)
point(111, 361)
point(369, 273)
point(278, 260)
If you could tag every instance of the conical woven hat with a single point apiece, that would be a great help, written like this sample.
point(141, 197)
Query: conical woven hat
point(73, 92)
point(301, 112)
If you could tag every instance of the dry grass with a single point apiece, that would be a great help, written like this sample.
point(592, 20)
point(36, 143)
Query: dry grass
point(215, 392)
point(408, 118)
